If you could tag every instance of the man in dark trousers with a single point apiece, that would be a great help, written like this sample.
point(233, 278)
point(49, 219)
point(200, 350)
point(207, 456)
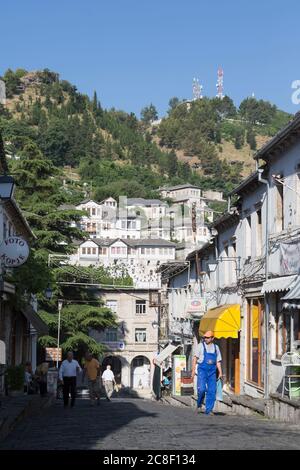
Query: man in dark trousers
point(208, 359)
point(67, 373)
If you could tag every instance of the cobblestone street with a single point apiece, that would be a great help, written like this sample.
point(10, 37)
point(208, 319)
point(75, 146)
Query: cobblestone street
point(141, 424)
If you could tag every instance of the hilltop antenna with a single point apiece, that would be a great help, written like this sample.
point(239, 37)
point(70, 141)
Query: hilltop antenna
point(197, 89)
point(220, 82)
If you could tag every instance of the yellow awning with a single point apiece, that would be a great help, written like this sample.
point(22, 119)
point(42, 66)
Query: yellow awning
point(224, 321)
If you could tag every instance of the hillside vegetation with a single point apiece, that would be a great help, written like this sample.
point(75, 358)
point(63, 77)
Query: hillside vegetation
point(207, 132)
point(115, 153)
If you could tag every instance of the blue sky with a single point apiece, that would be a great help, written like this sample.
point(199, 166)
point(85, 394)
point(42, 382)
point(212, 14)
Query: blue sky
point(134, 52)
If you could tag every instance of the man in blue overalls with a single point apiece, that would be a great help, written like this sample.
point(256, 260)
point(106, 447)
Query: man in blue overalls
point(208, 359)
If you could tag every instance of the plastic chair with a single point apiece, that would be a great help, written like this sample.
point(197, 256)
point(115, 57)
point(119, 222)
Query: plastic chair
point(290, 362)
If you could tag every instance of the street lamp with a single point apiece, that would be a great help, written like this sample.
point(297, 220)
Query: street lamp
point(48, 293)
point(7, 186)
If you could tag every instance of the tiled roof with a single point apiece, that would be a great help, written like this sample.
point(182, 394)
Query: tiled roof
point(131, 242)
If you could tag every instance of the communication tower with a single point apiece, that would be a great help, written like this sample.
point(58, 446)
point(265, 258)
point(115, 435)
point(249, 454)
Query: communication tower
point(197, 89)
point(220, 83)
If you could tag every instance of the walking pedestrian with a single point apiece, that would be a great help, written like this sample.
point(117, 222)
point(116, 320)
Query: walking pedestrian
point(108, 379)
point(92, 370)
point(67, 373)
point(208, 360)
point(41, 375)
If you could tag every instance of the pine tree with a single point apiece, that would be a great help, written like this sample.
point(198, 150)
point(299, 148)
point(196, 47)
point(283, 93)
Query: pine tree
point(251, 140)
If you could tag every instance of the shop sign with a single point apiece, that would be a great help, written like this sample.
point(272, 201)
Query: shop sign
point(51, 354)
point(197, 304)
point(179, 364)
point(14, 251)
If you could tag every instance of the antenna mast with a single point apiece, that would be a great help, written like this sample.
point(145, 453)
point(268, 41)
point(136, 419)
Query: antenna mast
point(197, 89)
point(220, 83)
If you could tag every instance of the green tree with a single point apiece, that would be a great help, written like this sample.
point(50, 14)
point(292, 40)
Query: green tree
point(173, 102)
point(76, 322)
point(257, 111)
point(12, 83)
point(251, 140)
point(239, 138)
point(225, 107)
point(149, 114)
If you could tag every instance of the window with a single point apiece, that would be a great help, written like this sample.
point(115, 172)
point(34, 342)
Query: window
point(140, 306)
point(153, 251)
point(113, 250)
point(112, 304)
point(248, 236)
point(143, 251)
point(102, 251)
point(259, 234)
point(88, 251)
point(226, 267)
point(123, 224)
point(83, 251)
point(93, 211)
point(111, 335)
point(279, 207)
point(133, 225)
point(255, 351)
point(140, 335)
point(94, 250)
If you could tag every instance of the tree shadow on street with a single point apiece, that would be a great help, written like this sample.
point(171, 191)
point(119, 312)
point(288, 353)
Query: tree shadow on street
point(82, 427)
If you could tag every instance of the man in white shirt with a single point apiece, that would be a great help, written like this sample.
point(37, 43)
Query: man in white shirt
point(67, 373)
point(108, 379)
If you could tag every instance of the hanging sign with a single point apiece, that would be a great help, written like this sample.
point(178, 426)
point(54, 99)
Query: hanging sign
point(197, 304)
point(53, 354)
point(14, 252)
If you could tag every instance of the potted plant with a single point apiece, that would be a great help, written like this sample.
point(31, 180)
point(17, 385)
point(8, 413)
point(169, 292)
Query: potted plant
point(15, 380)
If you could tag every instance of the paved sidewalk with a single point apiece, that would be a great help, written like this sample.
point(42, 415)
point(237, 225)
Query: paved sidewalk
point(14, 409)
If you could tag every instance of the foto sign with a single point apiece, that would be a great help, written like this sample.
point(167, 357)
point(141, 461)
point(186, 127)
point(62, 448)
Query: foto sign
point(14, 251)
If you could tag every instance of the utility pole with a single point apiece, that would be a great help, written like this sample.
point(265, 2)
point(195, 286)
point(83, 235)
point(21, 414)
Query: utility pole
point(60, 304)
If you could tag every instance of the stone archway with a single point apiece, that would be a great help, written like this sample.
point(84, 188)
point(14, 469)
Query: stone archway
point(140, 373)
point(116, 366)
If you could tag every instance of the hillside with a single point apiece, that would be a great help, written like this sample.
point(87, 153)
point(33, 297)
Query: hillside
point(207, 142)
point(205, 132)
